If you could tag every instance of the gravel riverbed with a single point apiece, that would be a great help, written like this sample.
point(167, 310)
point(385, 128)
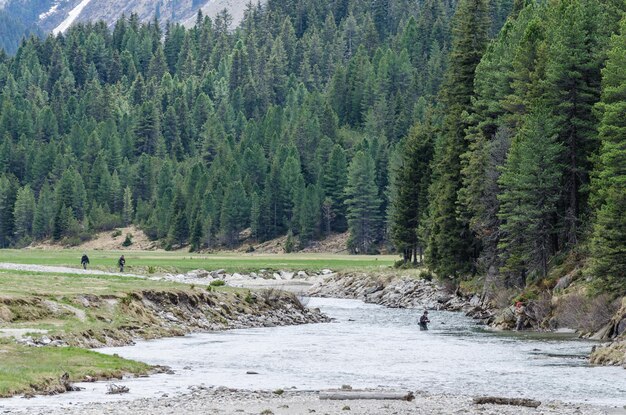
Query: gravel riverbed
point(223, 401)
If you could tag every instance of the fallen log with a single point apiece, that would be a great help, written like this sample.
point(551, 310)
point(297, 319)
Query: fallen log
point(352, 395)
point(113, 389)
point(482, 400)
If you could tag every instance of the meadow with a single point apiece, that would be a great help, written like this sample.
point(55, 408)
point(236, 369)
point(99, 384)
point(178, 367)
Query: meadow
point(147, 262)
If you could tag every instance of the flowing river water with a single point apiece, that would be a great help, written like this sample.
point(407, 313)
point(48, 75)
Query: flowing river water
point(369, 346)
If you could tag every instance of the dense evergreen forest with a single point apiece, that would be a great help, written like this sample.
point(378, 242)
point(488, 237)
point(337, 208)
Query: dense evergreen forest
point(487, 137)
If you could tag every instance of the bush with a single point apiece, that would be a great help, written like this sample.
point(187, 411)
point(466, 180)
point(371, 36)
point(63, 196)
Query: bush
point(249, 298)
point(586, 314)
point(217, 283)
point(425, 275)
point(151, 269)
point(129, 240)
point(289, 243)
point(116, 233)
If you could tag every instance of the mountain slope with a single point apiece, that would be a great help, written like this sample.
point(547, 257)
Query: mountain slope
point(21, 18)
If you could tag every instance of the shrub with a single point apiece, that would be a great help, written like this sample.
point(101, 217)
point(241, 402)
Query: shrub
point(116, 233)
point(249, 298)
point(129, 240)
point(289, 243)
point(270, 295)
point(151, 269)
point(279, 391)
point(217, 283)
point(425, 275)
point(586, 314)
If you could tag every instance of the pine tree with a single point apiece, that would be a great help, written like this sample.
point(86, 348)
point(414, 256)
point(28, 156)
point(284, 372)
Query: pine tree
point(572, 89)
point(363, 203)
point(608, 242)
point(24, 213)
point(451, 246)
point(255, 215)
point(8, 193)
point(334, 184)
point(309, 215)
point(234, 213)
point(128, 210)
point(528, 202)
point(411, 181)
point(179, 228)
point(44, 213)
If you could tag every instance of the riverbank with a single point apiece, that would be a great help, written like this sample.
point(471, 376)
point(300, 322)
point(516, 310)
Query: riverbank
point(53, 317)
point(224, 401)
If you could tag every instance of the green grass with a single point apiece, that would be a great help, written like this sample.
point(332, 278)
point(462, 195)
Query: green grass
point(43, 284)
point(160, 261)
point(26, 369)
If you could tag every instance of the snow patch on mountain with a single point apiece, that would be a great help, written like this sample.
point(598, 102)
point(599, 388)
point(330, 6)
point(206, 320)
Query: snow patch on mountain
point(71, 17)
point(50, 12)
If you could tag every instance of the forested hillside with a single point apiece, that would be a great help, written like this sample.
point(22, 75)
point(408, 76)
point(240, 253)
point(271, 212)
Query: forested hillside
point(414, 124)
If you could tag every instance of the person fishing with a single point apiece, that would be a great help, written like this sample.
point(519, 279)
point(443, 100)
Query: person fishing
point(424, 320)
point(121, 262)
point(520, 316)
point(84, 260)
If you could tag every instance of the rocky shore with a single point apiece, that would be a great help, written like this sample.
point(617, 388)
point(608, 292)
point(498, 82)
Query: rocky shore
point(613, 353)
point(395, 291)
point(224, 401)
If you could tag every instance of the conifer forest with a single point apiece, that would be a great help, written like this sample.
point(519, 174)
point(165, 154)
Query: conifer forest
point(477, 137)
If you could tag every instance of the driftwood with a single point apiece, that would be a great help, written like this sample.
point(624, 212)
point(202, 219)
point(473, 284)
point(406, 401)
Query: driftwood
point(351, 395)
point(67, 385)
point(113, 389)
point(531, 403)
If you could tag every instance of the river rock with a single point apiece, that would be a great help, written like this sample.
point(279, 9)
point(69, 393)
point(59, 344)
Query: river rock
point(286, 275)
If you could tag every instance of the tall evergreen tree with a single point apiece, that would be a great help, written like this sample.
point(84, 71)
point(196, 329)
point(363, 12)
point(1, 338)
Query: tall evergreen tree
point(411, 181)
point(23, 213)
point(528, 202)
point(451, 245)
point(363, 203)
point(608, 242)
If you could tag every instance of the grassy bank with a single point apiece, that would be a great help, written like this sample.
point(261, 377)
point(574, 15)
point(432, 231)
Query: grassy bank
point(56, 306)
point(161, 261)
point(86, 311)
point(29, 370)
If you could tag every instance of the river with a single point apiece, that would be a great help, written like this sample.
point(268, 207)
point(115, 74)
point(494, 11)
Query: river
point(370, 346)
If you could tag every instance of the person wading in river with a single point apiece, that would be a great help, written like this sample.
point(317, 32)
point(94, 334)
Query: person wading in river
point(520, 316)
point(424, 321)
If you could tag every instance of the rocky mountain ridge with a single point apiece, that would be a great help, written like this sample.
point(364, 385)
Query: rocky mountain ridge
point(56, 16)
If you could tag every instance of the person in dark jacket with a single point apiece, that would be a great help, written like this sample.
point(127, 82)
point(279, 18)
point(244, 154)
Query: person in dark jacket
point(424, 321)
point(121, 262)
point(84, 261)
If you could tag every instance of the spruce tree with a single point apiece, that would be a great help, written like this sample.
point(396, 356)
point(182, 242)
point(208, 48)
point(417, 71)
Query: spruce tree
point(128, 210)
point(24, 213)
point(8, 193)
point(528, 203)
point(411, 181)
point(451, 245)
point(334, 184)
point(608, 242)
point(363, 203)
point(572, 89)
